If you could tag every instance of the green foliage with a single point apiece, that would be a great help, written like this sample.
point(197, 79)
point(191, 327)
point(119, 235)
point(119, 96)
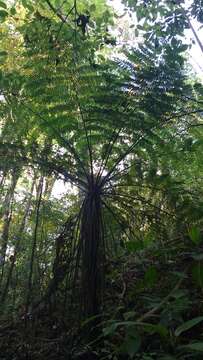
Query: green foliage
point(195, 235)
point(197, 274)
point(118, 255)
point(196, 346)
point(188, 325)
point(151, 276)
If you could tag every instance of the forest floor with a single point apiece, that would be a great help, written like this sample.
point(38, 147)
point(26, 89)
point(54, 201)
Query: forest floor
point(153, 295)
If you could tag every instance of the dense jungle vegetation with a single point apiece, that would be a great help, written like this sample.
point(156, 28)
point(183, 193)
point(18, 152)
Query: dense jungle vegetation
point(101, 168)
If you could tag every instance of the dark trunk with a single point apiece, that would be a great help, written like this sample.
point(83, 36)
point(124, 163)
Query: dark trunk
point(34, 244)
point(92, 246)
point(6, 216)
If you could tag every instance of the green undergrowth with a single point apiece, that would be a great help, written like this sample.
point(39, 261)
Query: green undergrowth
point(153, 309)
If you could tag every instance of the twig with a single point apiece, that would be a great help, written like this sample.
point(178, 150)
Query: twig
point(56, 12)
point(159, 306)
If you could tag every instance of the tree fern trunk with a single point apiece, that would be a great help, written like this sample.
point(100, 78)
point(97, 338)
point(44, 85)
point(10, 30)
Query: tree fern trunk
point(92, 252)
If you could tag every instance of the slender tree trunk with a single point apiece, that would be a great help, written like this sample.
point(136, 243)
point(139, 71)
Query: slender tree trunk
point(17, 241)
point(3, 177)
point(34, 244)
point(195, 35)
point(48, 187)
point(6, 220)
point(193, 29)
point(44, 243)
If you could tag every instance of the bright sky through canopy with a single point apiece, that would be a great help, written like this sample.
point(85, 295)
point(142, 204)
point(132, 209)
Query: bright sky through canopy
point(195, 55)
